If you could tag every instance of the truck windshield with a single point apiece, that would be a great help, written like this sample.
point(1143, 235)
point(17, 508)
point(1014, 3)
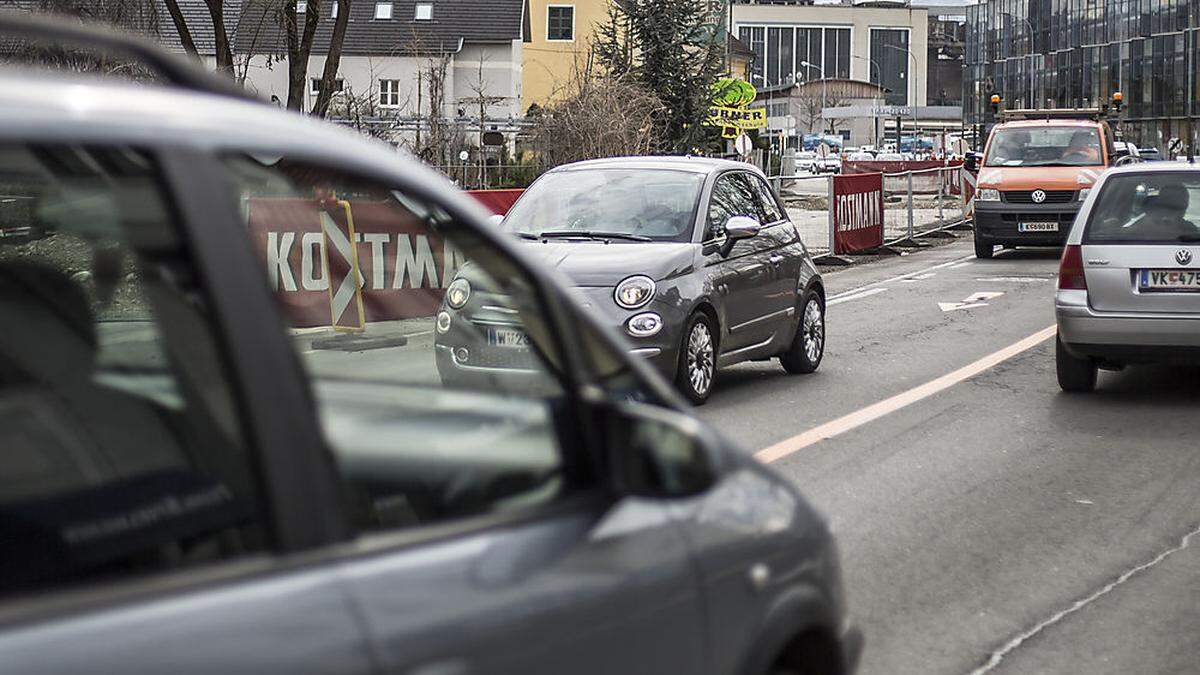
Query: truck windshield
point(1045, 146)
point(654, 205)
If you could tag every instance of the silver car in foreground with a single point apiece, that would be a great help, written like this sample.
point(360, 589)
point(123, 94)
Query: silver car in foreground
point(1129, 281)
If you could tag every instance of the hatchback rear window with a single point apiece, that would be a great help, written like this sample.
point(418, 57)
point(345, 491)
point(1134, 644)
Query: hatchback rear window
point(1147, 208)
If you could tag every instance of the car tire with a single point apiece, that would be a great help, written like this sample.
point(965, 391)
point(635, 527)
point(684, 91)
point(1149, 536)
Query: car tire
point(697, 359)
point(1075, 375)
point(808, 345)
point(983, 247)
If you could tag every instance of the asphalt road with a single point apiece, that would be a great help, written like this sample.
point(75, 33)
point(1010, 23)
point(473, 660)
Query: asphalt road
point(996, 525)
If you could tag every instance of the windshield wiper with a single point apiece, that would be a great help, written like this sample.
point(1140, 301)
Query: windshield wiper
point(527, 235)
point(591, 234)
point(1188, 238)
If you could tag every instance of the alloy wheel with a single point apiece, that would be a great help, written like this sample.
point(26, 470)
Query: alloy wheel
point(700, 358)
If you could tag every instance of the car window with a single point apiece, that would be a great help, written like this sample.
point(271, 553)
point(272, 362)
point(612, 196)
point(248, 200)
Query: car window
point(436, 377)
point(770, 208)
point(123, 451)
point(1146, 208)
point(732, 195)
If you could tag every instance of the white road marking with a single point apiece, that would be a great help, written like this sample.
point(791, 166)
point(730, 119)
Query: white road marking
point(1017, 280)
point(998, 655)
point(961, 264)
point(919, 277)
point(899, 278)
point(974, 300)
point(856, 296)
point(887, 406)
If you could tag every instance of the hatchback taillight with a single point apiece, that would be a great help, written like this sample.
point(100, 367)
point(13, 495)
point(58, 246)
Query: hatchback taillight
point(1070, 269)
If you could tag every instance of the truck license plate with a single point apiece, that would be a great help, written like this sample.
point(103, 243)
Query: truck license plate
point(1037, 227)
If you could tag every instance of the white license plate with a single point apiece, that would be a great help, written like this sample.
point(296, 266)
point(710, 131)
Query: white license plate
point(507, 337)
point(1037, 227)
point(1169, 280)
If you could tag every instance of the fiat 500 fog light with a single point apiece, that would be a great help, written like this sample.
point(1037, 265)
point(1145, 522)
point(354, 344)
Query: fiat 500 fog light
point(634, 292)
point(644, 325)
point(443, 322)
point(458, 293)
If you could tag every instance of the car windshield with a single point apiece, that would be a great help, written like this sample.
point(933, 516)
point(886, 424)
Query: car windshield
point(1045, 146)
point(634, 204)
point(1147, 208)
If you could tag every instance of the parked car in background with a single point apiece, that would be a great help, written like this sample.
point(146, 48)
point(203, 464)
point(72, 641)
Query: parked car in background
point(1123, 149)
point(806, 160)
point(889, 157)
point(210, 479)
point(831, 163)
point(693, 260)
point(1150, 154)
point(1129, 281)
point(861, 157)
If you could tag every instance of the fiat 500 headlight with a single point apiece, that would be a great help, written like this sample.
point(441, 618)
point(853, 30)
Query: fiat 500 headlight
point(634, 292)
point(458, 293)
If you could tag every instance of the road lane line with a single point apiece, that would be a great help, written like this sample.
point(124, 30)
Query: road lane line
point(861, 294)
point(887, 406)
point(998, 656)
point(900, 277)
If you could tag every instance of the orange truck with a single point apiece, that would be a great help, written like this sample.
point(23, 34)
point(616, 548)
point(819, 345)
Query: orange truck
point(1037, 168)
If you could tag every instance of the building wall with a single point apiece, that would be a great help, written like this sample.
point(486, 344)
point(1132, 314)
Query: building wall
point(550, 65)
point(361, 75)
point(1078, 56)
point(860, 21)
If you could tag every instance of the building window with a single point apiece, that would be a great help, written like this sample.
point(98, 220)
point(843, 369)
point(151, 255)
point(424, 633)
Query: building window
point(383, 10)
point(301, 7)
point(560, 23)
point(424, 11)
point(889, 48)
point(389, 93)
point(797, 53)
point(315, 85)
point(333, 8)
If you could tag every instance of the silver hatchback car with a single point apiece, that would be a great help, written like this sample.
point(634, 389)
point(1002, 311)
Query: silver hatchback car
point(1129, 281)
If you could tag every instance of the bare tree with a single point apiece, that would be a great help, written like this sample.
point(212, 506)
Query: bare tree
point(809, 103)
point(484, 100)
point(332, 59)
point(436, 147)
point(299, 47)
point(597, 117)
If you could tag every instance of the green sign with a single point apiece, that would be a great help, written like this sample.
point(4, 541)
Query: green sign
point(733, 93)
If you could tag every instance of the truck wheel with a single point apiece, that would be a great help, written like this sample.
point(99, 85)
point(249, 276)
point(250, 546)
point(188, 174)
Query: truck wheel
point(983, 247)
point(1075, 375)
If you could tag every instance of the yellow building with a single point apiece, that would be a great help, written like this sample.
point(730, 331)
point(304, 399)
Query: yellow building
point(558, 42)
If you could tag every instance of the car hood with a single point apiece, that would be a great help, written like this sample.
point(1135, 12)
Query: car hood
point(1039, 177)
point(595, 263)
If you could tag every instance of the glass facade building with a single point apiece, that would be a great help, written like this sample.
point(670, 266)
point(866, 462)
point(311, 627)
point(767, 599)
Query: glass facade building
point(1077, 53)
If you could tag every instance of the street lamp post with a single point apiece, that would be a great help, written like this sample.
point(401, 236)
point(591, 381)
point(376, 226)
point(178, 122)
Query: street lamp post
point(912, 102)
point(820, 70)
point(878, 89)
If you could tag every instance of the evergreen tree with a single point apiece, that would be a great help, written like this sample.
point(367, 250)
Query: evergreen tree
point(670, 48)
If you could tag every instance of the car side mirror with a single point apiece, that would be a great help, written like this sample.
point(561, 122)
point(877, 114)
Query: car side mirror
point(659, 453)
point(742, 227)
point(970, 163)
point(1124, 160)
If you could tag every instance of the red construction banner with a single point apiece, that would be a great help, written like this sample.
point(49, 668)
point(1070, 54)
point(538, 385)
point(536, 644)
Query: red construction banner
point(897, 166)
point(403, 267)
point(498, 201)
point(857, 212)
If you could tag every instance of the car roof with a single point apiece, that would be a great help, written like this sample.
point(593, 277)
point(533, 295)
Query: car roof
point(1049, 123)
point(1154, 167)
point(49, 107)
point(704, 165)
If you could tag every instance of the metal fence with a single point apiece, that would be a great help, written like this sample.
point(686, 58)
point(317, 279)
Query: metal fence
point(915, 204)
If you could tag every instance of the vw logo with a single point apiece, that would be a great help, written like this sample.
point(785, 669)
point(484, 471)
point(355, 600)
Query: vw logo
point(1183, 256)
point(1038, 196)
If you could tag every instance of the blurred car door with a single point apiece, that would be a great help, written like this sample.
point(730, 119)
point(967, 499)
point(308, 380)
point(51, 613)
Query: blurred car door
point(483, 540)
point(147, 491)
point(743, 275)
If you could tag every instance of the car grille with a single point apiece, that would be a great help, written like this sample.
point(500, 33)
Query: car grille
point(1026, 196)
point(1036, 217)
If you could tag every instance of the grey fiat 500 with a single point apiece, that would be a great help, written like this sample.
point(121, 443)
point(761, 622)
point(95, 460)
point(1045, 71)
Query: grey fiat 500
point(693, 260)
